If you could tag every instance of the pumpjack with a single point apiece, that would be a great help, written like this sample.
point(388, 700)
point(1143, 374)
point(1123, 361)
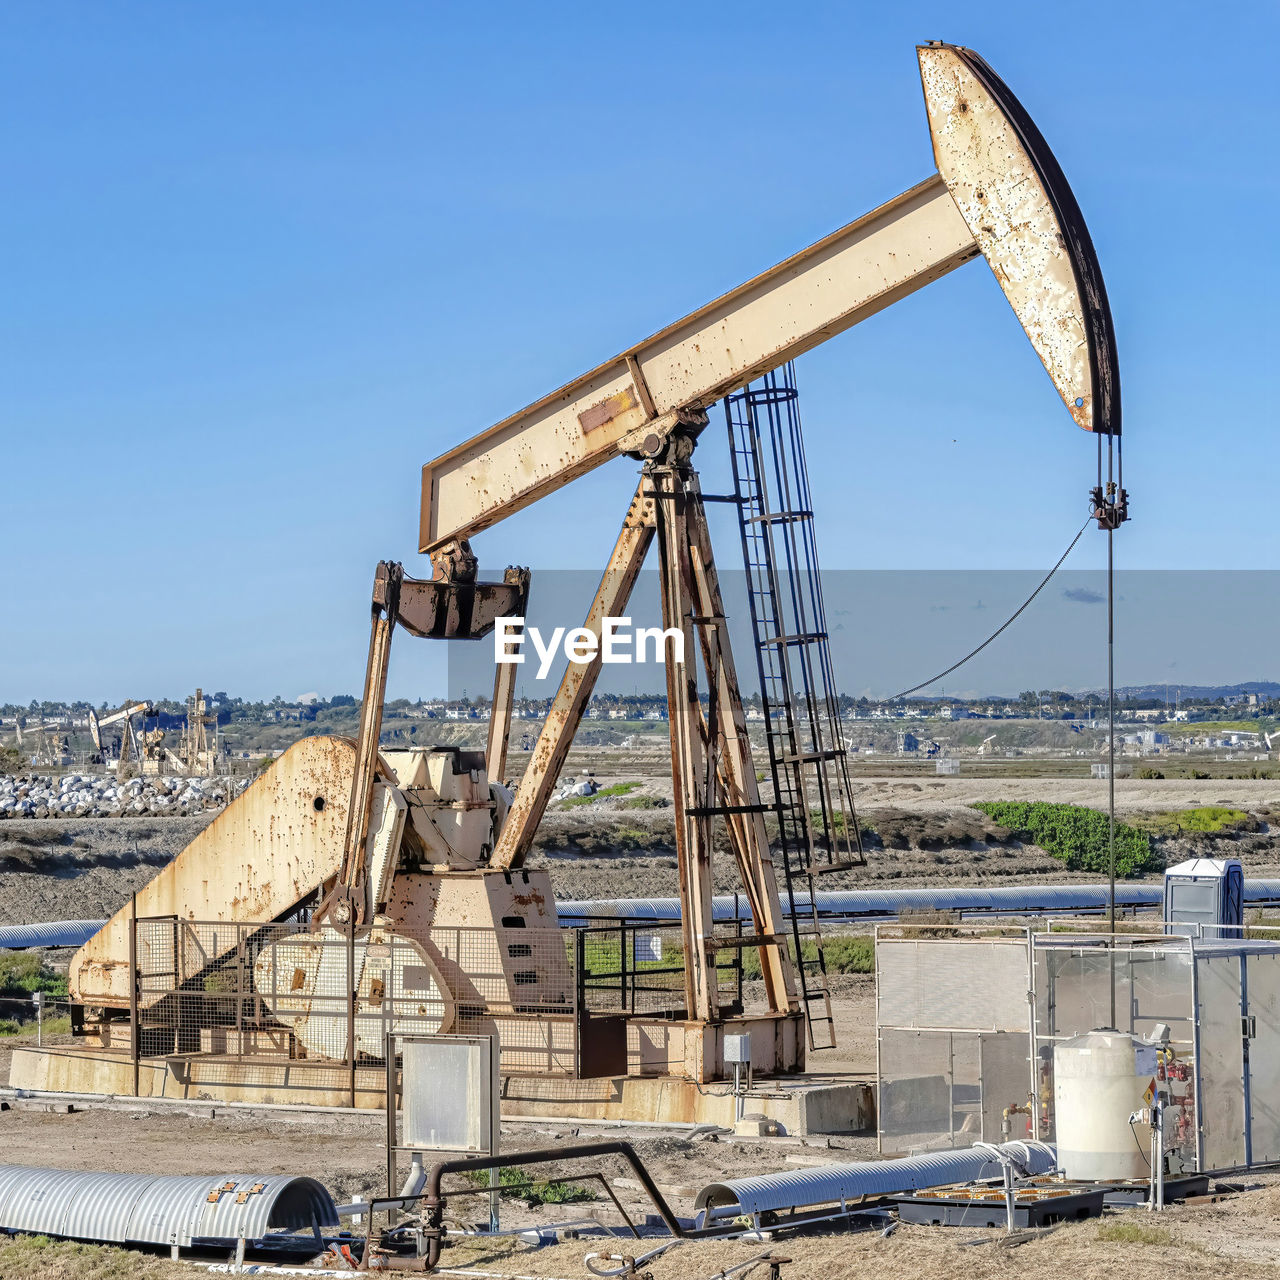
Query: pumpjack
point(403, 849)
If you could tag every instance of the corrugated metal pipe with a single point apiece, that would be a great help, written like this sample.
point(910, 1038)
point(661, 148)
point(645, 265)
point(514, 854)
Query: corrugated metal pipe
point(146, 1208)
point(846, 1184)
point(55, 933)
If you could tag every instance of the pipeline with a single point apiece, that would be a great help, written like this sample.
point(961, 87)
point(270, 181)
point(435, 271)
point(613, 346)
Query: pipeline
point(435, 1200)
point(852, 905)
point(887, 904)
point(863, 1180)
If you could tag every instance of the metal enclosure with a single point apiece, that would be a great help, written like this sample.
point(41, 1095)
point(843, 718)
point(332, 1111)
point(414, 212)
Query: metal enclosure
point(1219, 1000)
point(967, 1027)
point(449, 1093)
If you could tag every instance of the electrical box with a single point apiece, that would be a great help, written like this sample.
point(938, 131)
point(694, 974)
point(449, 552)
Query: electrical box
point(449, 1093)
point(737, 1049)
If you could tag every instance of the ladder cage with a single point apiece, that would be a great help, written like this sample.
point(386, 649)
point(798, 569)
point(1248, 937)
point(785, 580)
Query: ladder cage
point(817, 824)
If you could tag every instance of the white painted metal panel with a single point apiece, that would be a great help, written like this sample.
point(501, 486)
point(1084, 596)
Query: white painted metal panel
point(265, 852)
point(449, 1093)
point(949, 983)
point(1001, 197)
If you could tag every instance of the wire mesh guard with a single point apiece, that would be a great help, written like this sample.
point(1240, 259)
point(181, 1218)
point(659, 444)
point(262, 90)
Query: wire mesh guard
point(954, 1038)
point(283, 991)
point(967, 1024)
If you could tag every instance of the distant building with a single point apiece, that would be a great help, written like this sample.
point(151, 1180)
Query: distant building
point(907, 742)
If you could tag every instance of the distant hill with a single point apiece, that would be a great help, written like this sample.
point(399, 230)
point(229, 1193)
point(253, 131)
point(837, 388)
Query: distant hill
point(1263, 688)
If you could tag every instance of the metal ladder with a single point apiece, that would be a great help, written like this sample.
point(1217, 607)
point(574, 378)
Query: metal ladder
point(818, 829)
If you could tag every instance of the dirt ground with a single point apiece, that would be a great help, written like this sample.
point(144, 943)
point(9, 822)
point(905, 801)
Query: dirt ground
point(616, 847)
point(86, 868)
point(1238, 1237)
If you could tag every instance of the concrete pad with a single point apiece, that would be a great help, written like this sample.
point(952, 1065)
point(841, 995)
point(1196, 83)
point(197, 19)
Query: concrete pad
point(795, 1105)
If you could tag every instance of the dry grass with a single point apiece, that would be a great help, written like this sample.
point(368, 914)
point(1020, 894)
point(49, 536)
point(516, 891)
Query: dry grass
point(22, 1256)
point(1236, 1240)
point(1206, 1243)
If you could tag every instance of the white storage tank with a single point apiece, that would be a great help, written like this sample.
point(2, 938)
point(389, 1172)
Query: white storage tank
point(1099, 1079)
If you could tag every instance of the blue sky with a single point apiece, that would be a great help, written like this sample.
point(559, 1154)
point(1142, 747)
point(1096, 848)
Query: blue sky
point(263, 261)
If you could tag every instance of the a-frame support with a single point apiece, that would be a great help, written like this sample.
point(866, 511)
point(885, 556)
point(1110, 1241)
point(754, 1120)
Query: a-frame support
point(712, 769)
point(543, 771)
point(711, 763)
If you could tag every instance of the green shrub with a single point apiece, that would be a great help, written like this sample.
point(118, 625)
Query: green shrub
point(851, 953)
point(1206, 820)
point(1134, 1233)
point(23, 974)
point(57, 1025)
point(1148, 774)
point(837, 820)
point(643, 802)
point(64, 1259)
point(1074, 835)
point(516, 1184)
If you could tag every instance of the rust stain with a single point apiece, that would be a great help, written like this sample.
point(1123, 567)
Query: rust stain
point(604, 412)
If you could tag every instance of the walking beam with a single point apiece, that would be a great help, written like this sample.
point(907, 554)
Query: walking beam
point(998, 193)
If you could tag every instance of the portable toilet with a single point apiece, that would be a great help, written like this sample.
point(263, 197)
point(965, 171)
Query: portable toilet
point(1205, 891)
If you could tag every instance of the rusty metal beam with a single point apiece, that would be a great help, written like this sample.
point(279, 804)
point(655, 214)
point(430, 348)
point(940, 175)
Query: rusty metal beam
point(575, 689)
point(998, 193)
point(826, 288)
point(693, 766)
point(504, 691)
point(346, 906)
